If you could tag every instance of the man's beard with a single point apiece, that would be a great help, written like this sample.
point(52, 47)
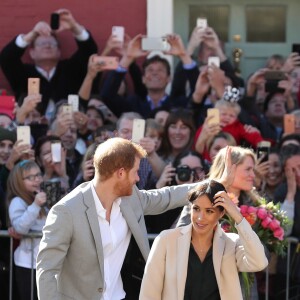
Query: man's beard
point(123, 188)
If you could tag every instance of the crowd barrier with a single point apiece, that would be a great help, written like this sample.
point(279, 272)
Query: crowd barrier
point(151, 237)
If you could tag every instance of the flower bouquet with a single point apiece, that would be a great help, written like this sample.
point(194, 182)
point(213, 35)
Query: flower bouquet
point(269, 222)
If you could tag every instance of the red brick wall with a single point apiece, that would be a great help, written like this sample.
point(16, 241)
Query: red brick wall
point(19, 16)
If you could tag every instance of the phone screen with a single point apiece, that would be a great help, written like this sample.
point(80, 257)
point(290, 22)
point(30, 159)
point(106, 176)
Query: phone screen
point(263, 151)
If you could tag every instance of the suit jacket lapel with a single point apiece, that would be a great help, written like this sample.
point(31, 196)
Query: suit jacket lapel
point(135, 228)
point(91, 213)
point(182, 253)
point(218, 250)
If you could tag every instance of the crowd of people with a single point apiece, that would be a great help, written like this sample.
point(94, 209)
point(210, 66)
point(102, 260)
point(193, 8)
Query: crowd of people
point(128, 189)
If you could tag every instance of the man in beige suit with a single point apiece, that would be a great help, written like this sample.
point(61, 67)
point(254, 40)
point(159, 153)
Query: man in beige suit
point(88, 232)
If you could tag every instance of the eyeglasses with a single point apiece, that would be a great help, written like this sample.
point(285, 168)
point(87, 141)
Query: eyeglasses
point(46, 44)
point(33, 177)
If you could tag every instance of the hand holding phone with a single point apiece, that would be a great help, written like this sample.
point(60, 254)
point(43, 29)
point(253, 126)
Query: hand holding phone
point(138, 130)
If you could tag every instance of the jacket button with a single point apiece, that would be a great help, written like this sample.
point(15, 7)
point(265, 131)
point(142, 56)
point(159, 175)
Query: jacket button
point(100, 290)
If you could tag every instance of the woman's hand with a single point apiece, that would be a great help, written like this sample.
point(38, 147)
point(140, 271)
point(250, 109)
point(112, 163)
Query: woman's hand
point(222, 199)
point(166, 177)
point(229, 169)
point(88, 170)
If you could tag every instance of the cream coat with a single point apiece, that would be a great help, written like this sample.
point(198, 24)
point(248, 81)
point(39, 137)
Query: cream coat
point(166, 268)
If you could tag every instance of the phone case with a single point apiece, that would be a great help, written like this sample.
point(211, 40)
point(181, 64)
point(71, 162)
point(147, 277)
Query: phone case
point(201, 23)
point(214, 60)
point(53, 192)
point(216, 115)
point(56, 151)
point(23, 133)
point(151, 44)
point(7, 105)
point(289, 123)
point(138, 130)
point(275, 75)
point(33, 86)
point(118, 31)
point(73, 100)
point(263, 151)
point(109, 62)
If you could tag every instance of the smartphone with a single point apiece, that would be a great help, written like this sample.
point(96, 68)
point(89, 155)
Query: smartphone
point(23, 133)
point(118, 32)
point(33, 86)
point(53, 192)
point(215, 113)
point(275, 75)
point(272, 81)
point(289, 123)
point(67, 109)
point(54, 21)
point(153, 43)
point(73, 100)
point(296, 48)
point(138, 130)
point(201, 23)
point(108, 62)
point(56, 151)
point(214, 60)
point(263, 149)
point(7, 105)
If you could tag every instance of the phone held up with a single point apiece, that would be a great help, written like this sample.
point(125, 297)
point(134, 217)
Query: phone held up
point(107, 62)
point(272, 80)
point(263, 149)
point(155, 44)
point(289, 123)
point(138, 130)
point(54, 21)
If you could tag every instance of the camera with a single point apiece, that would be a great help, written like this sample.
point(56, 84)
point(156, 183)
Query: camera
point(184, 173)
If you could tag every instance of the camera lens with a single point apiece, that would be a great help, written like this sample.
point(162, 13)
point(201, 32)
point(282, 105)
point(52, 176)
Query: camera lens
point(184, 173)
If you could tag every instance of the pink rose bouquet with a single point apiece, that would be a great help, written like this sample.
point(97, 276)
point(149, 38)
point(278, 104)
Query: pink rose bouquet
point(269, 223)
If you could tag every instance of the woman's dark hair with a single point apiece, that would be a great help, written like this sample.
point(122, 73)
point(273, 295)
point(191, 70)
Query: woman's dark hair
point(288, 151)
point(208, 188)
point(184, 154)
point(178, 114)
point(38, 146)
point(289, 137)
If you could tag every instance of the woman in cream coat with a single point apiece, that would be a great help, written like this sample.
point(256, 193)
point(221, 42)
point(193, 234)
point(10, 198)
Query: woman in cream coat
point(200, 260)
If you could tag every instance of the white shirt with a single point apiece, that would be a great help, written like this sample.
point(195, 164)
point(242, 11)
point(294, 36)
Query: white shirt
point(115, 238)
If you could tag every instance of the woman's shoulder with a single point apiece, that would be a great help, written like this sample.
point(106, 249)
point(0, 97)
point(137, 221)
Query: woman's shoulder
point(174, 232)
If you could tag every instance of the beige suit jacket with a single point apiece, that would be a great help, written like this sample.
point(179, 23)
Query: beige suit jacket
point(166, 268)
point(70, 260)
